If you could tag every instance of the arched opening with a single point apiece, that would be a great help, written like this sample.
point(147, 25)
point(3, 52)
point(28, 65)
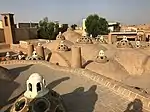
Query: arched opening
point(30, 87)
point(102, 57)
point(19, 105)
point(38, 85)
point(41, 105)
point(6, 20)
point(34, 58)
point(57, 63)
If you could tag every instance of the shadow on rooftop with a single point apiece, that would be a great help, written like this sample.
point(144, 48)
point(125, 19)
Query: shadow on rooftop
point(80, 100)
point(6, 89)
point(135, 106)
point(15, 72)
point(86, 63)
point(57, 82)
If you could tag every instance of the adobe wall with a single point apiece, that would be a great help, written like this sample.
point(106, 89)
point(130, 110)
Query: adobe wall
point(2, 37)
point(57, 58)
point(25, 33)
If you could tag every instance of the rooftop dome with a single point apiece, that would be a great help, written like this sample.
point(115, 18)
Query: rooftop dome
point(35, 77)
point(55, 43)
point(84, 40)
point(60, 36)
point(62, 46)
point(92, 49)
point(124, 43)
point(71, 35)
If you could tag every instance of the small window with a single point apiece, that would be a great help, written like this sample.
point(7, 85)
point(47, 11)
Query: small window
point(30, 87)
point(6, 20)
point(57, 63)
point(41, 105)
point(19, 105)
point(38, 86)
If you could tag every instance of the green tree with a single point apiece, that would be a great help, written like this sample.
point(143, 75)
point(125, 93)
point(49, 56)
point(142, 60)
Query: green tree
point(73, 26)
point(63, 28)
point(96, 25)
point(47, 30)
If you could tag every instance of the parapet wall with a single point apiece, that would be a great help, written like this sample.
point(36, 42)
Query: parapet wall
point(116, 87)
point(2, 37)
point(25, 33)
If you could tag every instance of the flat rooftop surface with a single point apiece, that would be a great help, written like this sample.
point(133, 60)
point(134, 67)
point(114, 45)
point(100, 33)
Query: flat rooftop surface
point(79, 93)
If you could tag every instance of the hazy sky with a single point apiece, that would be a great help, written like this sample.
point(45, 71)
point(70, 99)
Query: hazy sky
point(72, 11)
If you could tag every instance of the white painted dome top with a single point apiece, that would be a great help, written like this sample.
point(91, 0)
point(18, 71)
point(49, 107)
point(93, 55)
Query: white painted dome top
point(7, 54)
point(125, 38)
point(39, 44)
point(36, 86)
point(137, 42)
point(101, 53)
point(59, 33)
point(35, 77)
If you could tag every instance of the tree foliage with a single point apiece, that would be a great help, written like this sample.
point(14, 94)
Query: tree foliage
point(73, 26)
point(47, 30)
point(63, 28)
point(96, 25)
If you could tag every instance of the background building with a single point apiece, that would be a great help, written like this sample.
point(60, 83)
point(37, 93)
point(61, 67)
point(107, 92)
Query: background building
point(1, 24)
point(12, 33)
point(114, 26)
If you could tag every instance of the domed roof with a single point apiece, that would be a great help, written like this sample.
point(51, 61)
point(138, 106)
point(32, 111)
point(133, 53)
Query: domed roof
point(60, 36)
point(71, 35)
point(55, 43)
point(92, 49)
point(35, 77)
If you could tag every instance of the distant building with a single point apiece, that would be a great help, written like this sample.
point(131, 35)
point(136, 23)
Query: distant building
point(27, 25)
point(114, 26)
point(129, 29)
point(1, 24)
point(83, 25)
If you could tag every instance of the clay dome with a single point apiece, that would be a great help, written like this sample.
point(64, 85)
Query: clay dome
point(90, 51)
point(60, 36)
point(84, 40)
point(124, 43)
point(62, 46)
point(71, 35)
point(55, 43)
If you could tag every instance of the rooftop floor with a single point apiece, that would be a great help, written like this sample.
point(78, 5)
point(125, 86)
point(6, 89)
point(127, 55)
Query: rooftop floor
point(79, 93)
